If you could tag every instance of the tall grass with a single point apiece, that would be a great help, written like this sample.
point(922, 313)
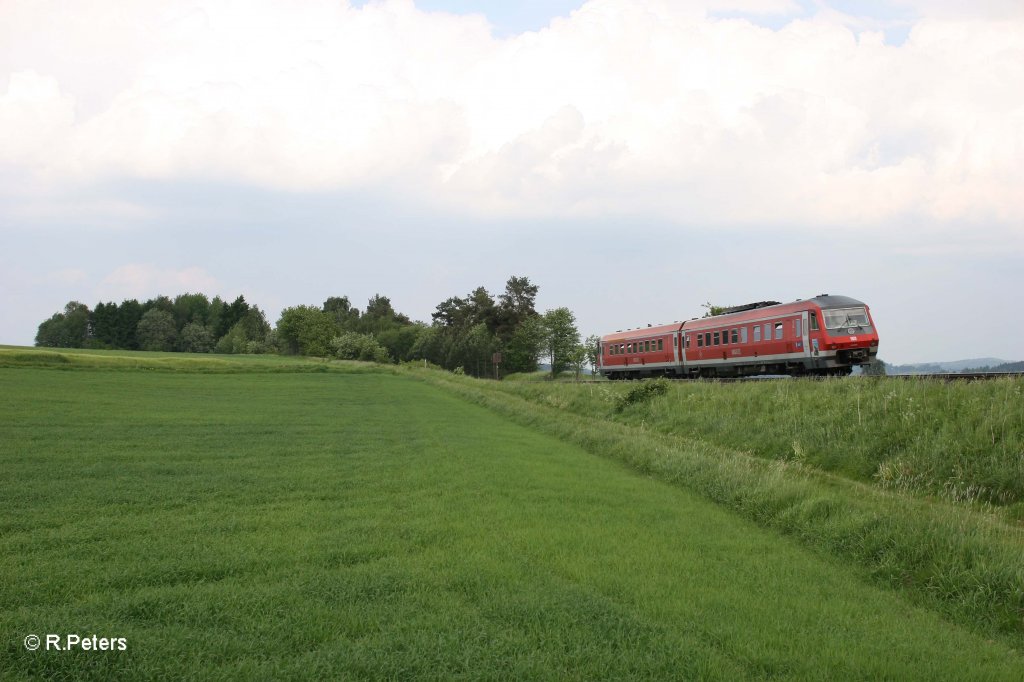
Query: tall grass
point(961, 442)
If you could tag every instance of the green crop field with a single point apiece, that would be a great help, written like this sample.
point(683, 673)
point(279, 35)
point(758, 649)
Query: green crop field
point(292, 519)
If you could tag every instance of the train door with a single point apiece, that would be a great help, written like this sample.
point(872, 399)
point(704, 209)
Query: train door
point(805, 336)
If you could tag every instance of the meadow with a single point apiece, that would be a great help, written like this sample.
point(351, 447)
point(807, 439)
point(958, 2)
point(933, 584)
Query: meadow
point(298, 519)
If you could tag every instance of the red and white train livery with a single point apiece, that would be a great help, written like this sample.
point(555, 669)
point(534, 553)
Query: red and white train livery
point(824, 335)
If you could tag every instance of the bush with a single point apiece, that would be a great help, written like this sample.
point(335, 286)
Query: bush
point(355, 346)
point(641, 393)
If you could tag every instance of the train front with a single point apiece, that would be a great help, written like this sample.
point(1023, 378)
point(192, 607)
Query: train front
point(847, 334)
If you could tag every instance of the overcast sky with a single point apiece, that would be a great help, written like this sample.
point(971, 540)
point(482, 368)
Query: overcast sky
point(634, 158)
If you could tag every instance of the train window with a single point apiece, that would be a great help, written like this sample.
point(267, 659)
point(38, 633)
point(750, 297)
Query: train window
point(700, 340)
point(814, 321)
point(661, 344)
point(717, 339)
point(767, 331)
point(842, 318)
point(796, 328)
point(647, 346)
point(735, 336)
point(707, 338)
point(757, 333)
point(688, 340)
point(778, 331)
point(743, 334)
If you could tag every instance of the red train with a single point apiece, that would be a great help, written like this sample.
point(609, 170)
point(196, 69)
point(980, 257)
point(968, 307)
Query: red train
point(824, 335)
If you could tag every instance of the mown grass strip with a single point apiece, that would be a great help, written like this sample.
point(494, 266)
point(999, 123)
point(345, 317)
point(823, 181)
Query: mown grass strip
point(176, 362)
point(967, 566)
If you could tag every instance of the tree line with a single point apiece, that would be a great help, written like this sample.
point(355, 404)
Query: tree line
point(465, 334)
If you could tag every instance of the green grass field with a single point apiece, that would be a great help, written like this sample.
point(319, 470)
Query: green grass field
point(335, 521)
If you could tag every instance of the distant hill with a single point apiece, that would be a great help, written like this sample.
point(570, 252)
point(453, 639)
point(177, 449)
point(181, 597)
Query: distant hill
point(1008, 367)
point(973, 364)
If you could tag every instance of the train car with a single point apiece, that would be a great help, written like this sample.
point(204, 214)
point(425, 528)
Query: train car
point(644, 352)
point(824, 335)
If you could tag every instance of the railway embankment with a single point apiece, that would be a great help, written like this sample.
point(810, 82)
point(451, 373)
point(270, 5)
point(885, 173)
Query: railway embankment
point(917, 484)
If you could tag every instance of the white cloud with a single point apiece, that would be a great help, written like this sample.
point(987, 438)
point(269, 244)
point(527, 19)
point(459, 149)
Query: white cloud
point(642, 108)
point(35, 118)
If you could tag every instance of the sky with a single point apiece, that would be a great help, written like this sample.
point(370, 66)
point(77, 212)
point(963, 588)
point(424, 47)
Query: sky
point(634, 158)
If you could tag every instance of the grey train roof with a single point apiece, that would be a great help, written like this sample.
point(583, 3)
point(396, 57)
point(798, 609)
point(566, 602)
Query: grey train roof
point(824, 300)
point(827, 301)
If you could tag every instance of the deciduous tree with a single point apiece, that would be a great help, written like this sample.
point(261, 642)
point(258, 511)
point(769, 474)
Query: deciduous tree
point(156, 330)
point(560, 338)
point(306, 330)
point(67, 329)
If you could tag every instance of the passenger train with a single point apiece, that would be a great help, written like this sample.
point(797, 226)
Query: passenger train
point(824, 335)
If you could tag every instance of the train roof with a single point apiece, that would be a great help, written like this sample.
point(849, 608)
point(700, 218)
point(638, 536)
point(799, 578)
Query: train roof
point(643, 332)
point(829, 301)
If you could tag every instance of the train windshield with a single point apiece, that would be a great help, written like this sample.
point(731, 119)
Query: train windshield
point(839, 318)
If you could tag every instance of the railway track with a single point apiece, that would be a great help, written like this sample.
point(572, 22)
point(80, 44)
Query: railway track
point(957, 376)
point(950, 376)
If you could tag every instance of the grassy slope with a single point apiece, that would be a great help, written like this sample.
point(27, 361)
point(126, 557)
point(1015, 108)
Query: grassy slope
point(331, 525)
point(965, 564)
point(960, 441)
